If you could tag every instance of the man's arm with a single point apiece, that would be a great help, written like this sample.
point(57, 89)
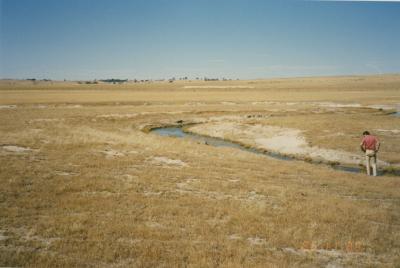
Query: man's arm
point(377, 146)
point(362, 147)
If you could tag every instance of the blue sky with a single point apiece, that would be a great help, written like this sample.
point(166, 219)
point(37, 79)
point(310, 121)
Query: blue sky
point(88, 39)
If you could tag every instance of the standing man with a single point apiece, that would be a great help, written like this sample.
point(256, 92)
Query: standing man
point(370, 146)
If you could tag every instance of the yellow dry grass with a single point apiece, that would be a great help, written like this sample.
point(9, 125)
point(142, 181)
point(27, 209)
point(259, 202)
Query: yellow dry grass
point(92, 189)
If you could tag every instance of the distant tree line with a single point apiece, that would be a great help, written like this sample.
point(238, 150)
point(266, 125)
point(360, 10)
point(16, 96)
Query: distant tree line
point(34, 80)
point(121, 81)
point(88, 82)
point(114, 81)
point(111, 80)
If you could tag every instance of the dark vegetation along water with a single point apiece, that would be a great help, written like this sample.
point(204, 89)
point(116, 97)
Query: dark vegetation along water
point(218, 142)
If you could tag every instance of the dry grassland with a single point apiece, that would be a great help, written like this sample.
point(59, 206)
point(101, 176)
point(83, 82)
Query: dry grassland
point(83, 185)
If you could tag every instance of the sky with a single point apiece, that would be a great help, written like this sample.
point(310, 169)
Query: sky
point(237, 39)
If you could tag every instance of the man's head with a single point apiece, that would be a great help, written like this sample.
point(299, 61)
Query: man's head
point(365, 133)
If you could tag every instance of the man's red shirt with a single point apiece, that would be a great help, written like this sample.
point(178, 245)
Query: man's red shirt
point(370, 142)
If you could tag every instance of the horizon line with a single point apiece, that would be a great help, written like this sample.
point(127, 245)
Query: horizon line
point(194, 79)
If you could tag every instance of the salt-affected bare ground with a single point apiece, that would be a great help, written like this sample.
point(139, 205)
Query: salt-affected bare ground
point(112, 153)
point(46, 120)
point(385, 106)
point(161, 160)
point(15, 149)
point(131, 115)
point(338, 105)
point(330, 104)
point(390, 131)
point(8, 106)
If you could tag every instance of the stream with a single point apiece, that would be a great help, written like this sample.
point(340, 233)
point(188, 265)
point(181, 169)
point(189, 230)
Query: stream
point(218, 142)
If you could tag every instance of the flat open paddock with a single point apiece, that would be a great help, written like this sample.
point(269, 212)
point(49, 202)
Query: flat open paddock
point(83, 182)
